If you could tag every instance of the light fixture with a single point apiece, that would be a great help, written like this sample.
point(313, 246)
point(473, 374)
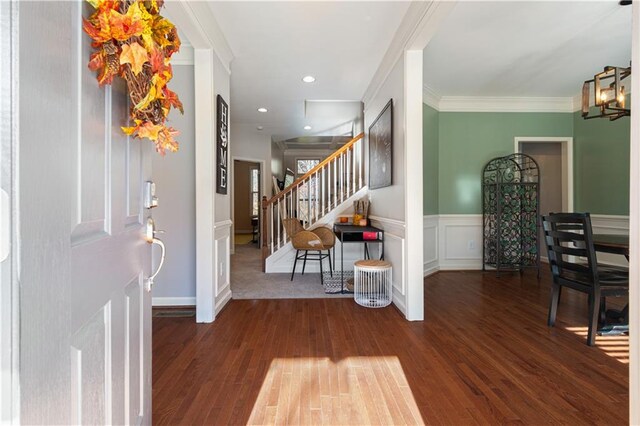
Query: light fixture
point(259, 127)
point(307, 127)
point(308, 79)
point(610, 99)
point(262, 109)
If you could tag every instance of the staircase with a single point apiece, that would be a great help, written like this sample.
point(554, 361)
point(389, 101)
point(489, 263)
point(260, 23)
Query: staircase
point(314, 197)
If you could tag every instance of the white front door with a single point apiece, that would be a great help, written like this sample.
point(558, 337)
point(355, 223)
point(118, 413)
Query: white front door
point(85, 316)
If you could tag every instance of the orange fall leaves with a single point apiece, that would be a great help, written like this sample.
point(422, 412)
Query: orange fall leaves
point(140, 42)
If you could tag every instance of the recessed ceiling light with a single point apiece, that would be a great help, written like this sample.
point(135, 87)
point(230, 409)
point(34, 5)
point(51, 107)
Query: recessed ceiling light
point(307, 127)
point(262, 109)
point(259, 127)
point(308, 79)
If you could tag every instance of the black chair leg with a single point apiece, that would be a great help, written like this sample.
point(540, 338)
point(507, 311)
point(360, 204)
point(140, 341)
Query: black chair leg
point(594, 305)
point(330, 267)
point(321, 259)
point(553, 306)
point(304, 264)
point(294, 264)
point(602, 317)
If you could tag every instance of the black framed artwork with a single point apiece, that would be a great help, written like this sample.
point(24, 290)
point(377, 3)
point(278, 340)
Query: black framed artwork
point(381, 148)
point(222, 146)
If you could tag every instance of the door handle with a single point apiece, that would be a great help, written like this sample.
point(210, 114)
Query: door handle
point(150, 237)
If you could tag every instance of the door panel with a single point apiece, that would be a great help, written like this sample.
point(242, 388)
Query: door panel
point(85, 316)
point(92, 145)
point(134, 383)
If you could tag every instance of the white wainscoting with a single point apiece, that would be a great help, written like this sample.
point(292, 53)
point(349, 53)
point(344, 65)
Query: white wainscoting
point(454, 242)
point(430, 245)
point(394, 252)
point(222, 263)
point(460, 242)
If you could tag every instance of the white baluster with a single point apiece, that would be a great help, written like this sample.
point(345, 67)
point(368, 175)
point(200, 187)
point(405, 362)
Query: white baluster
point(278, 223)
point(271, 218)
point(316, 200)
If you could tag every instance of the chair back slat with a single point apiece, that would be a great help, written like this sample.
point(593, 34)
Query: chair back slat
point(569, 241)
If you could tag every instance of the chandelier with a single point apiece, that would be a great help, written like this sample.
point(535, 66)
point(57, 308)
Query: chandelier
point(608, 93)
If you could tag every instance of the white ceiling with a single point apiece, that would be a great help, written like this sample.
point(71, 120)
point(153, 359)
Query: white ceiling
point(526, 49)
point(275, 44)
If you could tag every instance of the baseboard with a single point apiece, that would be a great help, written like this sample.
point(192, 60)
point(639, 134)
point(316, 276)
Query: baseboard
point(430, 271)
point(173, 301)
point(223, 299)
point(398, 301)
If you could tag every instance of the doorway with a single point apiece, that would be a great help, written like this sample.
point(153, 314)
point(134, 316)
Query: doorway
point(246, 204)
point(554, 157)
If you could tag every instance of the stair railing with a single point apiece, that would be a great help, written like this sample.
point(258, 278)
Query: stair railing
point(313, 195)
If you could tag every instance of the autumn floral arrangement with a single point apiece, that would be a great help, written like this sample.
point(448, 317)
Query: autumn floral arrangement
point(133, 41)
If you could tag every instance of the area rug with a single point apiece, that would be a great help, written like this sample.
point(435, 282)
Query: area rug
point(333, 284)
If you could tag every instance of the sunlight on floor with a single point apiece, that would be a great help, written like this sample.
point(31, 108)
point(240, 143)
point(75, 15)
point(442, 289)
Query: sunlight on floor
point(353, 390)
point(614, 346)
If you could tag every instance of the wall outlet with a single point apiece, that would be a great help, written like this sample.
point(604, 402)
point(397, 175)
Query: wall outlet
point(471, 245)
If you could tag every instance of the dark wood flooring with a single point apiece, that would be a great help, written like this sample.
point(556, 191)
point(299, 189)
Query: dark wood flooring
point(484, 355)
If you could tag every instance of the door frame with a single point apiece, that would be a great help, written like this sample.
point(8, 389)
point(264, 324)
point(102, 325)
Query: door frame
point(261, 164)
point(567, 160)
point(9, 288)
point(197, 23)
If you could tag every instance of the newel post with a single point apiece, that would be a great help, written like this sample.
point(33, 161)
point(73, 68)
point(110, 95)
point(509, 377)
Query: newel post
point(265, 249)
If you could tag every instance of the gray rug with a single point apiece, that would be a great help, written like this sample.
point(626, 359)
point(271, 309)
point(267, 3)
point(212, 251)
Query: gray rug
point(333, 284)
point(249, 282)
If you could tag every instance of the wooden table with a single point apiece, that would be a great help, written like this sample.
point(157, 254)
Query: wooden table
point(614, 244)
point(610, 243)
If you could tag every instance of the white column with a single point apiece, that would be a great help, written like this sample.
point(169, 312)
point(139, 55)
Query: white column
point(205, 181)
point(413, 184)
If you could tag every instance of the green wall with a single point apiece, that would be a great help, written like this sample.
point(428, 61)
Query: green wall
point(601, 165)
point(468, 140)
point(430, 159)
point(457, 145)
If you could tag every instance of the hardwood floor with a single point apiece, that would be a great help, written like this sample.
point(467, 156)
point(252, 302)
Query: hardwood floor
point(484, 355)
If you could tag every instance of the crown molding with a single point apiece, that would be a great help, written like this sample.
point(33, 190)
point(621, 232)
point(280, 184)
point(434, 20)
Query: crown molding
point(505, 104)
point(431, 97)
point(184, 56)
point(418, 25)
point(197, 21)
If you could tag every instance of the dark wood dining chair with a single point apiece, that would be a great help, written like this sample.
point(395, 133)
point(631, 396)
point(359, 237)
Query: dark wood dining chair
point(573, 262)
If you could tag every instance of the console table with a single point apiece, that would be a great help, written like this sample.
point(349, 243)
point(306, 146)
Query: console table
point(356, 234)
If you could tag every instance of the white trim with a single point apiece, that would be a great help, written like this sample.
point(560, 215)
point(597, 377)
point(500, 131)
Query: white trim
point(454, 254)
point(634, 227)
point(223, 224)
point(173, 301)
point(197, 22)
point(418, 25)
point(504, 104)
point(381, 219)
point(205, 183)
point(413, 182)
point(9, 284)
point(431, 265)
point(224, 298)
point(431, 97)
point(567, 158)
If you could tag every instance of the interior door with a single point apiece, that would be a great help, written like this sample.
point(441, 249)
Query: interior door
point(85, 315)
